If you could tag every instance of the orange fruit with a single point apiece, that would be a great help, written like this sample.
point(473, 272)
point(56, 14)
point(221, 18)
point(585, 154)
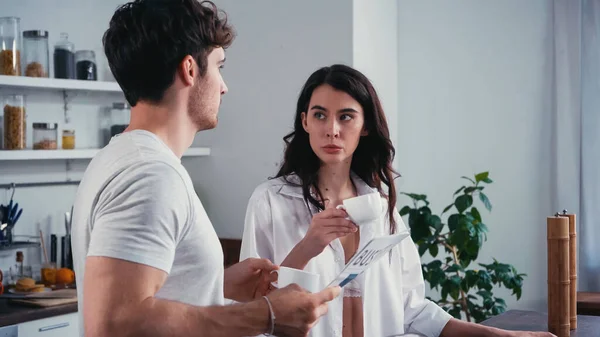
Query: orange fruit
point(65, 276)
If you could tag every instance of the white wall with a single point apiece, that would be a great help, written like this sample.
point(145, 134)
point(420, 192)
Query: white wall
point(473, 95)
point(264, 83)
point(375, 53)
point(279, 45)
point(44, 207)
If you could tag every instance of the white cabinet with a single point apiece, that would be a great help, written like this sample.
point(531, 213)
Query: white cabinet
point(57, 326)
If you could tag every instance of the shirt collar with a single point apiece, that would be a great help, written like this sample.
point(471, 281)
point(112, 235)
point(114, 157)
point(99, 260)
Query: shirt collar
point(293, 186)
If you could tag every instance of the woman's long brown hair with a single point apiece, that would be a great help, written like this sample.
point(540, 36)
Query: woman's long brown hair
point(372, 160)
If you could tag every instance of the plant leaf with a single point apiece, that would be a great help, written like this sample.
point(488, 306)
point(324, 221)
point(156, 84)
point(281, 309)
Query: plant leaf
point(447, 208)
point(433, 250)
point(453, 221)
point(425, 210)
point(422, 249)
point(485, 201)
point(517, 291)
point(463, 202)
point(459, 190)
point(419, 197)
point(475, 213)
point(487, 180)
point(405, 210)
point(436, 222)
point(454, 268)
point(469, 179)
point(455, 312)
point(480, 176)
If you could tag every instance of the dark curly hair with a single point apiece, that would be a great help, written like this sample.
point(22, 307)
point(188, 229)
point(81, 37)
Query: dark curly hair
point(147, 39)
point(372, 160)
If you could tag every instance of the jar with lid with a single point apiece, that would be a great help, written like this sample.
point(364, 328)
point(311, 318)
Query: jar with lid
point(119, 114)
point(45, 136)
point(14, 122)
point(35, 53)
point(85, 63)
point(64, 58)
point(10, 46)
point(68, 139)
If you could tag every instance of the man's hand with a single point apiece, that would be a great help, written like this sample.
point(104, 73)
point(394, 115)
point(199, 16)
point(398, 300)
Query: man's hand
point(249, 279)
point(297, 311)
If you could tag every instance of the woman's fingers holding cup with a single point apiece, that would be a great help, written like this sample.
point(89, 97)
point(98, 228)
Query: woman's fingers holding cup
point(341, 225)
point(332, 213)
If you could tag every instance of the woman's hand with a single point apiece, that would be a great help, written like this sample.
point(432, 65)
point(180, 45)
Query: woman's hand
point(325, 227)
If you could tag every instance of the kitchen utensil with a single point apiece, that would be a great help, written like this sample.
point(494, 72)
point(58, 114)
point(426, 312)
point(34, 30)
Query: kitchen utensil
point(10, 214)
point(63, 253)
point(53, 247)
point(43, 247)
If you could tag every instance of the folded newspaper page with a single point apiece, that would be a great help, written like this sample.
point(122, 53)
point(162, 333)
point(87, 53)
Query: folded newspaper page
point(368, 254)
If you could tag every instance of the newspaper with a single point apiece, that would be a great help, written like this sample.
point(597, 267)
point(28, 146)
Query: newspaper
point(366, 256)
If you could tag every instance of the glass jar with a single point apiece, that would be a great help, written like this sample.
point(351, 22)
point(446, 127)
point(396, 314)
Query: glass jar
point(10, 46)
point(119, 115)
point(45, 136)
point(14, 122)
point(85, 63)
point(68, 139)
point(48, 272)
point(35, 53)
point(64, 58)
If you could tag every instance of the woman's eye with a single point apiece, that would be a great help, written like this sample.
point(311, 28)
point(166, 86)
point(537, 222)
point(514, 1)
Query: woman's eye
point(345, 117)
point(319, 115)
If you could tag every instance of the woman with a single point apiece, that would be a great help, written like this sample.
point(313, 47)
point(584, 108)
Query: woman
point(340, 148)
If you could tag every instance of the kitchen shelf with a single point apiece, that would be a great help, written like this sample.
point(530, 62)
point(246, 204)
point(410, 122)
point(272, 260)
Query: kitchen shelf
point(24, 82)
point(19, 245)
point(76, 154)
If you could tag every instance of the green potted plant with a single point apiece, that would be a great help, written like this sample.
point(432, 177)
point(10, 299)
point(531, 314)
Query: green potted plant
point(464, 290)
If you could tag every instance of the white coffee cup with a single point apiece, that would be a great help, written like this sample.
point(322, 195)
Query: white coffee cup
point(362, 209)
point(306, 280)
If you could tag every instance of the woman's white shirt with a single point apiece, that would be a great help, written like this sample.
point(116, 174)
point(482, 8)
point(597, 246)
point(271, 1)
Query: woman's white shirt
point(393, 290)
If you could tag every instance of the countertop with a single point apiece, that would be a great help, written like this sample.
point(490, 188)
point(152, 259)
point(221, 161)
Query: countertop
point(11, 314)
point(587, 326)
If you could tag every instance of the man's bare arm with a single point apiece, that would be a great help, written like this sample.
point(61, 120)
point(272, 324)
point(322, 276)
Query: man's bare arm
point(119, 301)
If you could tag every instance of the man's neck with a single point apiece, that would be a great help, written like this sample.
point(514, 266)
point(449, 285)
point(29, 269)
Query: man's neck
point(170, 124)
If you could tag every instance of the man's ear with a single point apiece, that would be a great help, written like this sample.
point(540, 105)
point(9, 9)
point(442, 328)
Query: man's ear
point(188, 70)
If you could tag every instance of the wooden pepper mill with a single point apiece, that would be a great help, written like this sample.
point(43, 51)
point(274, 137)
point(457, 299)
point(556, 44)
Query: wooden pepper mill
point(558, 275)
point(572, 268)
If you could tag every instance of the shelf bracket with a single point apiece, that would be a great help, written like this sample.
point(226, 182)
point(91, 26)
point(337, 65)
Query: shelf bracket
point(66, 105)
point(67, 169)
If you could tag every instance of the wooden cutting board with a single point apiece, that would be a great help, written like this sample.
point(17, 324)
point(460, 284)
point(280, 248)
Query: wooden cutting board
point(47, 299)
point(43, 302)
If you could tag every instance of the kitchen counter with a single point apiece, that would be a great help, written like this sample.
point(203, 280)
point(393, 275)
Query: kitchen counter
point(11, 314)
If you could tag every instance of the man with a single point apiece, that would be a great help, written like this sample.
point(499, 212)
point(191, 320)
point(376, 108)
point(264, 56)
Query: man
point(147, 259)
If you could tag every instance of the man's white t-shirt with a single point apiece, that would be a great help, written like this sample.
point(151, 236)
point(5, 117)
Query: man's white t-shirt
point(136, 202)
